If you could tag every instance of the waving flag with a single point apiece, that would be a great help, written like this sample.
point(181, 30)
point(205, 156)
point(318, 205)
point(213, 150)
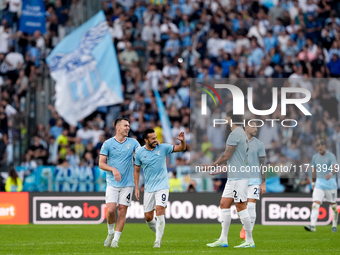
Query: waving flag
point(163, 116)
point(85, 68)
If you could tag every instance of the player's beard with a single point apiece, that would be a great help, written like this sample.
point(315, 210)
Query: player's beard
point(153, 145)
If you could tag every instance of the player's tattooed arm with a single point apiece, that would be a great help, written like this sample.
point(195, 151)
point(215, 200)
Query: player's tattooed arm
point(262, 161)
point(263, 188)
point(225, 156)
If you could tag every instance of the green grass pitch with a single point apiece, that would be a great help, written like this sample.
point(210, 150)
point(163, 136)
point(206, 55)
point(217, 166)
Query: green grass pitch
point(177, 239)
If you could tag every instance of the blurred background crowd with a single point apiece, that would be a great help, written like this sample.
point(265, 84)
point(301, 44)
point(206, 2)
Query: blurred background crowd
point(162, 45)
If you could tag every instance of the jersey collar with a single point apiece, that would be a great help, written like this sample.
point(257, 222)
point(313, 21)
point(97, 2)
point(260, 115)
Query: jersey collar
point(119, 141)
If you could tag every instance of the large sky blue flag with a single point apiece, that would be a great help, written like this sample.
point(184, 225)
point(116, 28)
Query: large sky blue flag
point(85, 68)
point(32, 16)
point(165, 121)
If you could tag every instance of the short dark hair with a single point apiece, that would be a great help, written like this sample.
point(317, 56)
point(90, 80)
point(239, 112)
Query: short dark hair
point(119, 119)
point(147, 132)
point(234, 118)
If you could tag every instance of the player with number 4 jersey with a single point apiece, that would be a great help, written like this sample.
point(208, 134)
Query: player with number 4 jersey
point(116, 157)
point(152, 158)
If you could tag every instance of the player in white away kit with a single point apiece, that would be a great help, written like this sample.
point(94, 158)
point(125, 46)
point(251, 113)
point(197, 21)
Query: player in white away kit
point(324, 169)
point(257, 181)
point(116, 157)
point(236, 188)
point(152, 158)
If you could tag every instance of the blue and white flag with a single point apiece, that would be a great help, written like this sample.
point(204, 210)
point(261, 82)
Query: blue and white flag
point(85, 68)
point(33, 16)
point(165, 121)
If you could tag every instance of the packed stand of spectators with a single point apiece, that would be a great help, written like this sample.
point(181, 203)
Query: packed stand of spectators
point(22, 57)
point(161, 45)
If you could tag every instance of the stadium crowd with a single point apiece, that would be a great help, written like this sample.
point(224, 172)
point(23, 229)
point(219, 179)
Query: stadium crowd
point(162, 45)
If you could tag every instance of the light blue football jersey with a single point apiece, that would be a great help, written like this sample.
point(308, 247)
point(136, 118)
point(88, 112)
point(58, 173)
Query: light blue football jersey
point(256, 150)
point(154, 166)
point(318, 163)
point(239, 158)
point(120, 156)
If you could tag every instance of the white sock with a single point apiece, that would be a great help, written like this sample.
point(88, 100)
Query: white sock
point(335, 215)
point(245, 219)
point(315, 214)
point(160, 225)
point(225, 223)
point(152, 225)
point(111, 228)
point(252, 213)
point(117, 236)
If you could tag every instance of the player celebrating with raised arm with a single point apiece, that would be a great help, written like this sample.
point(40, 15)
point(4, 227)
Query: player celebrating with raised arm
point(256, 159)
point(324, 183)
point(236, 187)
point(116, 157)
point(152, 158)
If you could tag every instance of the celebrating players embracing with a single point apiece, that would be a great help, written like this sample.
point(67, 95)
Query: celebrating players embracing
point(152, 158)
point(116, 157)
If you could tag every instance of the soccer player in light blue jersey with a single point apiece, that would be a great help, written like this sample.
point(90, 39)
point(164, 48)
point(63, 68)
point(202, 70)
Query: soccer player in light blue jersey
point(116, 157)
point(236, 188)
point(257, 181)
point(325, 167)
point(152, 158)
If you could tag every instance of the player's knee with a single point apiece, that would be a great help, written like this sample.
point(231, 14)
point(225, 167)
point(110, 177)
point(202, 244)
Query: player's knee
point(240, 206)
point(111, 210)
point(148, 217)
point(160, 211)
point(122, 210)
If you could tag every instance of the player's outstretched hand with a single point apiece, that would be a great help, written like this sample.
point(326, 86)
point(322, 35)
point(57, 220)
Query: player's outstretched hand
point(263, 188)
point(328, 176)
point(137, 194)
point(117, 175)
point(181, 136)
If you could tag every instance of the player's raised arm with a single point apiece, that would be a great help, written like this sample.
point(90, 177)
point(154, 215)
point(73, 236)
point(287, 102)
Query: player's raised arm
point(182, 146)
point(104, 166)
point(136, 177)
point(263, 189)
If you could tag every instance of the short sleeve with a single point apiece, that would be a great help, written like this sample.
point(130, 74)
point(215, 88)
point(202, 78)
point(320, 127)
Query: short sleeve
point(262, 151)
point(233, 139)
point(105, 149)
point(333, 160)
point(137, 159)
point(137, 145)
point(168, 148)
point(313, 162)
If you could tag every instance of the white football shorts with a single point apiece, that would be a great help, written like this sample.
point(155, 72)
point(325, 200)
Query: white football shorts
point(329, 194)
point(120, 196)
point(151, 199)
point(237, 190)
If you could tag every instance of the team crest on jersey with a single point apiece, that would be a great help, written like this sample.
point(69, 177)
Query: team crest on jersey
point(127, 145)
point(157, 152)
